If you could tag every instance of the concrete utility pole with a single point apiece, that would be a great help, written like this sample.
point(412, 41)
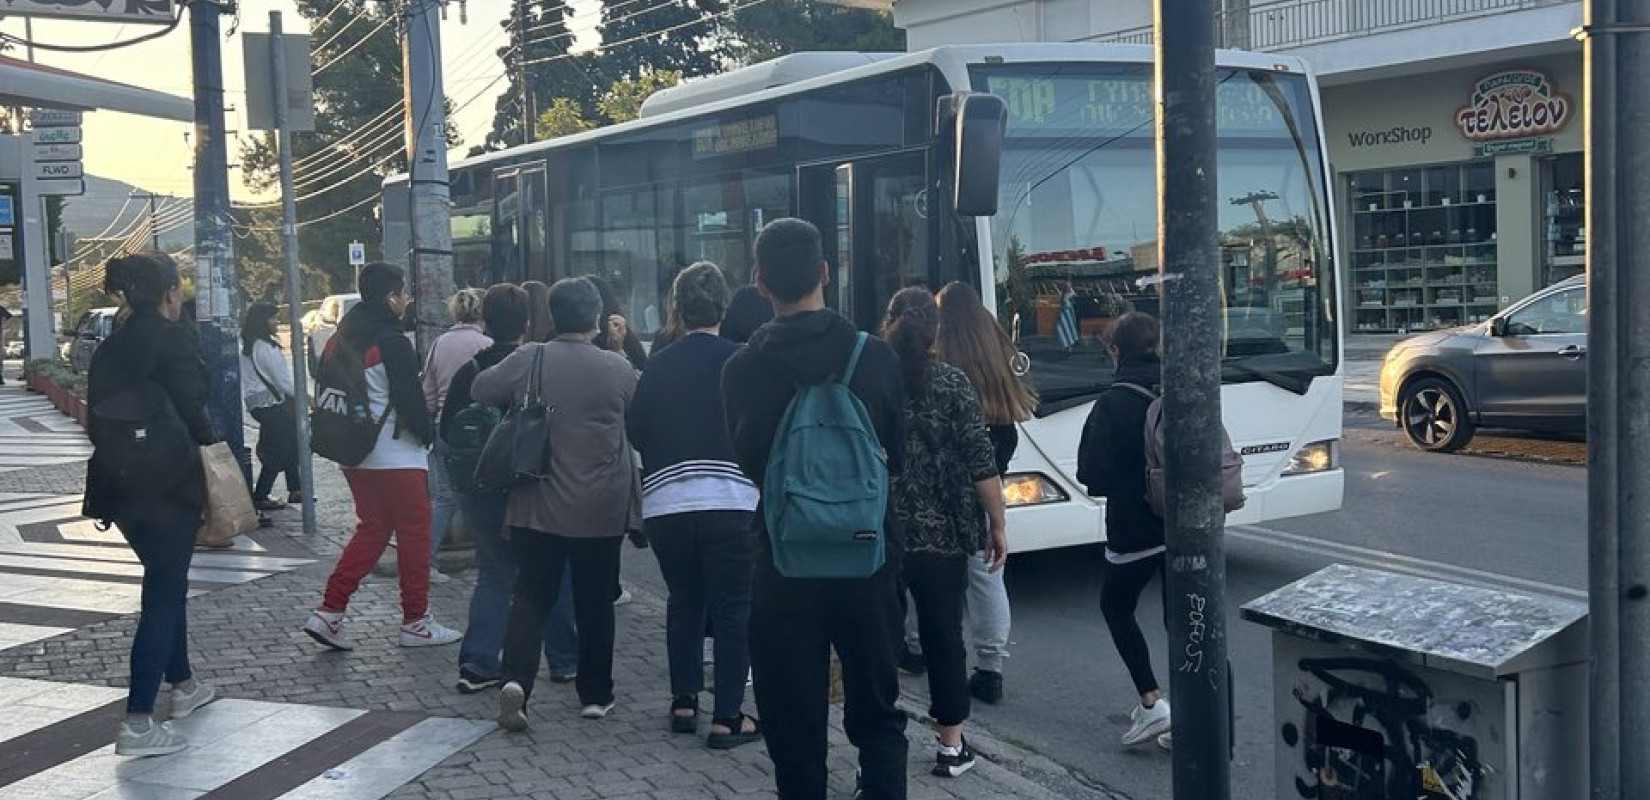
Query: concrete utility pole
point(1187, 238)
point(294, 282)
point(154, 230)
point(216, 303)
point(431, 259)
point(529, 114)
point(1617, 42)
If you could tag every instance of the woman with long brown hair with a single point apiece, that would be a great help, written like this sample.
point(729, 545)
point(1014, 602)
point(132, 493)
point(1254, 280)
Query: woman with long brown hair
point(970, 340)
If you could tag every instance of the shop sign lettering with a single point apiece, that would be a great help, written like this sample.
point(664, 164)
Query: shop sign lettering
point(1514, 105)
point(1399, 134)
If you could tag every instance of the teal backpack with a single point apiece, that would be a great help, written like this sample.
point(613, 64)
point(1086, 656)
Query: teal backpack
point(825, 492)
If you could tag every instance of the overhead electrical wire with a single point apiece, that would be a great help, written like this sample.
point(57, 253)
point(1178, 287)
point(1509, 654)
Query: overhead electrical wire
point(352, 48)
point(95, 48)
point(728, 14)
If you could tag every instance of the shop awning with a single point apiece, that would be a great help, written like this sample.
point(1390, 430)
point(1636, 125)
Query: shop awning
point(39, 86)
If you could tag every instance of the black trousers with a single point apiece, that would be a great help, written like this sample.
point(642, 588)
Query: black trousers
point(541, 560)
point(938, 586)
point(277, 449)
point(794, 625)
point(705, 558)
point(1118, 600)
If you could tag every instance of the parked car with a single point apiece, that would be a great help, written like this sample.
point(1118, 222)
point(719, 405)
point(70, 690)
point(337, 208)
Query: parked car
point(320, 323)
point(94, 326)
point(14, 349)
point(1525, 368)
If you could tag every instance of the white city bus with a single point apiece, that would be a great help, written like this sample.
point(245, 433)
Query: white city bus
point(849, 141)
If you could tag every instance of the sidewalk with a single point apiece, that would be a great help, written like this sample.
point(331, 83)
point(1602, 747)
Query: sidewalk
point(381, 720)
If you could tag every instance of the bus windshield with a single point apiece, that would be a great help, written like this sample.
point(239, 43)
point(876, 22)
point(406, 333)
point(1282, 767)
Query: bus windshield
point(1074, 242)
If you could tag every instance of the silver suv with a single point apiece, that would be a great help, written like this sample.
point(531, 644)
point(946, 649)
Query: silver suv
point(1525, 368)
point(94, 326)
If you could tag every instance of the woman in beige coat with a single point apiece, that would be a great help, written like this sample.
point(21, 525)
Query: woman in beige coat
point(579, 513)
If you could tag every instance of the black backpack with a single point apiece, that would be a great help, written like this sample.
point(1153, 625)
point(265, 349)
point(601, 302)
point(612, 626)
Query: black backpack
point(143, 447)
point(342, 427)
point(465, 437)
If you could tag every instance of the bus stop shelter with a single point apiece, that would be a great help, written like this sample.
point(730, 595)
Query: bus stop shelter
point(29, 85)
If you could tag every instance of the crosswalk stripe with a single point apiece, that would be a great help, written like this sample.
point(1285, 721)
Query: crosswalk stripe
point(239, 749)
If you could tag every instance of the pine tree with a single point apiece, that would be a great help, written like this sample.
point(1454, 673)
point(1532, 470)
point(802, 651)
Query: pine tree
point(541, 50)
point(361, 81)
point(779, 27)
point(642, 36)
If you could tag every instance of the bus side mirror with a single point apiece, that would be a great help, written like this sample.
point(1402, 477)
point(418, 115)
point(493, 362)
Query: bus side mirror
point(975, 124)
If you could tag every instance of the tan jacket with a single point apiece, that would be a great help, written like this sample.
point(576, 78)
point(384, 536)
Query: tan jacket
point(594, 489)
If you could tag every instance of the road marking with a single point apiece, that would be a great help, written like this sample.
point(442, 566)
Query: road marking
point(1382, 559)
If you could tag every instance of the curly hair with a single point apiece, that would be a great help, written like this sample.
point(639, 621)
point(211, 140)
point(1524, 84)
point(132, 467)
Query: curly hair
point(700, 295)
point(465, 305)
point(911, 326)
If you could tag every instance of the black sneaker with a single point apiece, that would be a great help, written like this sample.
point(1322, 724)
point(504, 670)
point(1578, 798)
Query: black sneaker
point(952, 762)
point(912, 663)
point(471, 683)
point(986, 686)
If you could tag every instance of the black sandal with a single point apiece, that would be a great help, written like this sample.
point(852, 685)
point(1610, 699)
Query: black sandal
point(688, 723)
point(737, 735)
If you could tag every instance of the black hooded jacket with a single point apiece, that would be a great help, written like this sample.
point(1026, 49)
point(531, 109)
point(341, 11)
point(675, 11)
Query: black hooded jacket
point(370, 325)
point(759, 381)
point(1111, 460)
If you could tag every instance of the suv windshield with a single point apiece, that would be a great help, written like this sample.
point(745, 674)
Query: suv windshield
point(1075, 236)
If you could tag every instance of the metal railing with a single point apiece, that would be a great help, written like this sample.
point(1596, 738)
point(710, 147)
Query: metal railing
point(1296, 23)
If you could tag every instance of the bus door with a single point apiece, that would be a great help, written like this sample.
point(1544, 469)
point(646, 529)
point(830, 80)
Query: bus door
point(519, 225)
point(874, 216)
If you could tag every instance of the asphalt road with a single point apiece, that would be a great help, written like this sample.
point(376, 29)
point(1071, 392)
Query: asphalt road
point(1516, 523)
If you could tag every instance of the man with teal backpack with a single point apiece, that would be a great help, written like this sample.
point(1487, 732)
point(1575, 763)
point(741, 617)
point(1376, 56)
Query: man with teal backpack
point(811, 404)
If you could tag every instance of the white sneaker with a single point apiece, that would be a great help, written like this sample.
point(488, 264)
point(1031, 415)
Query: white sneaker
point(185, 703)
point(624, 598)
point(327, 628)
point(511, 714)
point(428, 633)
point(594, 711)
point(1148, 722)
point(1166, 741)
point(437, 577)
point(158, 740)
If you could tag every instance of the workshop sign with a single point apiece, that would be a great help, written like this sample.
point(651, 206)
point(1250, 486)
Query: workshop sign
point(1516, 104)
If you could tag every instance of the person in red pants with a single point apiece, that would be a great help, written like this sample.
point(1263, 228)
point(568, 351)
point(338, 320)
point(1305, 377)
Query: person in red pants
point(390, 486)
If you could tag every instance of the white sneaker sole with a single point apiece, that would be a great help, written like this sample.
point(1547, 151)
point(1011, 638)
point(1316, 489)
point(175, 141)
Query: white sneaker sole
point(511, 699)
point(183, 709)
point(1151, 731)
point(417, 641)
point(327, 638)
point(145, 752)
point(597, 712)
point(954, 771)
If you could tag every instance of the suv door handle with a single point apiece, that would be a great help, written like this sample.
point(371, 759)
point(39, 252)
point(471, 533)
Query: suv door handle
point(1573, 352)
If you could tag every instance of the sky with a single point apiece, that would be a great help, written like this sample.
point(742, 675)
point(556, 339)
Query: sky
point(156, 155)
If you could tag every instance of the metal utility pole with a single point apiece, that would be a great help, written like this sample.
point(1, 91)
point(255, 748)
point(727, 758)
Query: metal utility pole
point(1617, 50)
point(1188, 242)
point(431, 261)
point(154, 230)
point(294, 282)
point(215, 295)
point(529, 114)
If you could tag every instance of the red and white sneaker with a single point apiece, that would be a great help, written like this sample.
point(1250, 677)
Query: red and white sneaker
point(428, 633)
point(327, 627)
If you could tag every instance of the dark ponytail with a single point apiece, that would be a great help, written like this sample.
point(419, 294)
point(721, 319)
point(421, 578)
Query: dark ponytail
point(912, 324)
point(141, 281)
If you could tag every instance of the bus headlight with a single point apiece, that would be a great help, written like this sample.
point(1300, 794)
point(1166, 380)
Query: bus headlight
point(1031, 489)
point(1315, 457)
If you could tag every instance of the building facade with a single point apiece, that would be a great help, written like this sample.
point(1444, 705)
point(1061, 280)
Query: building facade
point(1454, 128)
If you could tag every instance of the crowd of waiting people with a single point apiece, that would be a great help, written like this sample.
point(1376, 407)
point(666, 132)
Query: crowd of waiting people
point(674, 449)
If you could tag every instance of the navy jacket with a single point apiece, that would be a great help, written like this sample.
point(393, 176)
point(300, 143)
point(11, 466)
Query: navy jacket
point(676, 420)
point(1111, 459)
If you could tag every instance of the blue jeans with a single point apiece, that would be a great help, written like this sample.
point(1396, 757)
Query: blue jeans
point(479, 653)
point(163, 537)
point(705, 558)
point(443, 500)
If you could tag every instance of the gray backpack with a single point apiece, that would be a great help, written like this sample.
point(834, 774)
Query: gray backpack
point(1157, 493)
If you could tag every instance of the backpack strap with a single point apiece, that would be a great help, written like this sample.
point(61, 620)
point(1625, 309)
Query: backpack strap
point(1137, 389)
point(853, 359)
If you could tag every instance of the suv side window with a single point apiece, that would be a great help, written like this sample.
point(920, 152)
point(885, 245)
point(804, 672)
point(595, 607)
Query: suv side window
point(1559, 313)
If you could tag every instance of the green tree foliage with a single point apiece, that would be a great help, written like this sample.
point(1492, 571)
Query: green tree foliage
point(562, 118)
point(779, 27)
point(682, 36)
point(543, 40)
point(622, 102)
point(361, 82)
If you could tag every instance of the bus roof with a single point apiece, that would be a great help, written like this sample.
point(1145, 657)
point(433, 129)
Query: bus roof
point(804, 71)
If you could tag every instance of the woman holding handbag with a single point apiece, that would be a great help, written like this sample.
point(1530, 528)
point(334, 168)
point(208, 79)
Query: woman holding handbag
point(147, 393)
point(270, 395)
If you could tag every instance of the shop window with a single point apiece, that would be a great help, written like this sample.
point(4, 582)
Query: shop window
point(1565, 215)
point(1423, 247)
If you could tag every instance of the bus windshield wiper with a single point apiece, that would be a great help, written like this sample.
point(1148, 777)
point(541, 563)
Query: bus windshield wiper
point(1296, 383)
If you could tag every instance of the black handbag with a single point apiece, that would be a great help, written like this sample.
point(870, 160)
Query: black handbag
point(518, 451)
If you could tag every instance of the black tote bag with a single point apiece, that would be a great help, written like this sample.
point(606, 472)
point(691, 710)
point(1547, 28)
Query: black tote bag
point(518, 450)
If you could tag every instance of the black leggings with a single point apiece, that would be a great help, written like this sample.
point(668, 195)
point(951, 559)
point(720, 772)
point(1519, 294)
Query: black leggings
point(938, 585)
point(277, 449)
point(1119, 598)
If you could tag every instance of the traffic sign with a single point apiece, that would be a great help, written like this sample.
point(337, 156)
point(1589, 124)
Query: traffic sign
point(57, 152)
point(57, 170)
point(60, 188)
point(57, 136)
point(54, 118)
point(357, 254)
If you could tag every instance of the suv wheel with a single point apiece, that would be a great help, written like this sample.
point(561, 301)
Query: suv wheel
point(1434, 416)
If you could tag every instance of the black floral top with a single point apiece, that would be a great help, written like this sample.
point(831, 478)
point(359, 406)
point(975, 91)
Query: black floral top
point(947, 450)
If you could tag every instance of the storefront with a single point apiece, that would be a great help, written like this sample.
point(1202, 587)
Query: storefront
point(1461, 191)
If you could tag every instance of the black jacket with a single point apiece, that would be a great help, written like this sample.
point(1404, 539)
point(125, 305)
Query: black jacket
point(458, 392)
point(676, 420)
point(760, 380)
point(1111, 460)
point(369, 324)
point(747, 311)
point(148, 346)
